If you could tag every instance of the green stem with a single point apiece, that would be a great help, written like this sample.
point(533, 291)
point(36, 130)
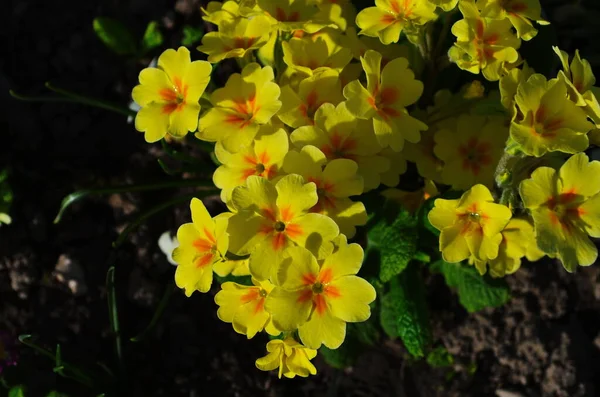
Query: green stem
point(78, 195)
point(113, 315)
point(91, 101)
point(155, 210)
point(162, 305)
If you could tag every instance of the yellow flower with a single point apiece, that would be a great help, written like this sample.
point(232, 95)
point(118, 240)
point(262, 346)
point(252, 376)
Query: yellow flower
point(339, 12)
point(482, 44)
point(519, 12)
point(509, 83)
point(320, 300)
point(236, 267)
point(422, 154)
point(234, 39)
point(307, 57)
point(244, 307)
point(202, 243)
point(565, 206)
point(398, 167)
point(291, 15)
point(470, 226)
point(290, 357)
point(517, 237)
point(340, 136)
point(218, 13)
point(550, 121)
point(446, 5)
point(412, 200)
point(389, 18)
point(273, 217)
point(471, 151)
point(359, 45)
point(264, 157)
point(299, 106)
point(388, 93)
point(169, 95)
point(336, 181)
point(247, 101)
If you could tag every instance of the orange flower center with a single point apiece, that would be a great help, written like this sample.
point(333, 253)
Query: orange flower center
point(206, 249)
point(174, 97)
point(565, 208)
point(318, 289)
point(338, 147)
point(475, 155)
point(543, 124)
point(382, 100)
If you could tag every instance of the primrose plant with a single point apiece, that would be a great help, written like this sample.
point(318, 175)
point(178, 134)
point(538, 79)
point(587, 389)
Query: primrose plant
point(348, 170)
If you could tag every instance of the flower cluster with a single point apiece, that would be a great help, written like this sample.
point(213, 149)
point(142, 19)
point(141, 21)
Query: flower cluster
point(329, 104)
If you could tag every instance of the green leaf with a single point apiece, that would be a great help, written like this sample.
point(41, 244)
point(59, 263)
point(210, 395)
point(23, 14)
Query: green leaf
point(404, 312)
point(440, 358)
point(243, 280)
point(191, 35)
point(6, 197)
point(152, 37)
point(54, 393)
point(392, 240)
point(17, 391)
point(475, 292)
point(115, 35)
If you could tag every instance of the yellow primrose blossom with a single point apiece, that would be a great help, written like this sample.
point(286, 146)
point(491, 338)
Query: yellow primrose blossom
point(291, 15)
point(299, 106)
point(471, 151)
point(520, 13)
point(565, 206)
point(361, 44)
point(446, 5)
point(412, 201)
point(483, 44)
point(202, 243)
point(470, 226)
point(290, 357)
point(509, 84)
point(398, 166)
point(234, 39)
point(244, 307)
point(422, 154)
point(388, 93)
point(236, 267)
point(168, 95)
point(218, 13)
point(308, 57)
point(550, 121)
point(339, 135)
point(339, 12)
point(270, 218)
point(336, 181)
point(247, 101)
point(517, 237)
point(389, 18)
point(264, 157)
point(320, 299)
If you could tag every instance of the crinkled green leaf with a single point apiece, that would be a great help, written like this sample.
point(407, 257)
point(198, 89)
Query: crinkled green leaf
point(392, 240)
point(191, 35)
point(440, 357)
point(404, 312)
point(115, 35)
point(475, 292)
point(152, 37)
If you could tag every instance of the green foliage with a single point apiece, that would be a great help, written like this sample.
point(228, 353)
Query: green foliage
point(358, 336)
point(475, 292)
point(242, 280)
point(152, 37)
point(392, 240)
point(17, 391)
point(440, 358)
point(191, 35)
point(115, 35)
point(6, 197)
point(404, 312)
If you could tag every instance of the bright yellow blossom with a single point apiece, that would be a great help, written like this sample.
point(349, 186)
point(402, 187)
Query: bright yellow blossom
point(550, 121)
point(291, 15)
point(482, 44)
point(299, 106)
point(519, 12)
point(270, 218)
point(336, 181)
point(517, 237)
point(236, 267)
point(339, 135)
point(202, 243)
point(471, 151)
point(247, 101)
point(320, 300)
point(446, 5)
point(290, 357)
point(565, 206)
point(470, 226)
point(307, 57)
point(509, 84)
point(264, 157)
point(389, 18)
point(339, 12)
point(218, 13)
point(169, 95)
point(244, 307)
point(234, 39)
point(388, 93)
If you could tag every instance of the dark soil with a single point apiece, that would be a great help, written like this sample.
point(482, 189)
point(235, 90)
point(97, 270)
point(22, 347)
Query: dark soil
point(544, 342)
